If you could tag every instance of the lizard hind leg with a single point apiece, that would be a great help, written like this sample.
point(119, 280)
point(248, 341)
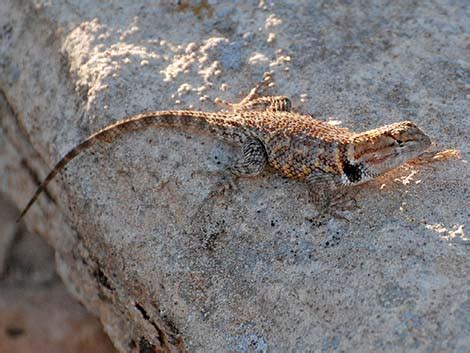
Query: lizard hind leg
point(252, 163)
point(280, 104)
point(255, 100)
point(267, 103)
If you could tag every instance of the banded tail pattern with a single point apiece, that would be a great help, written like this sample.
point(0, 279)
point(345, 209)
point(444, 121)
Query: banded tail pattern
point(222, 125)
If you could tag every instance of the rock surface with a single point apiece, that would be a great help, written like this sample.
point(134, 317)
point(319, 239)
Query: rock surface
point(37, 314)
point(137, 242)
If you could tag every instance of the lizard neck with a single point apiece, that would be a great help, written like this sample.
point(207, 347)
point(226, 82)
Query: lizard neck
point(355, 170)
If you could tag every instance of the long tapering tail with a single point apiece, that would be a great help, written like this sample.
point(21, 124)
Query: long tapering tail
point(222, 125)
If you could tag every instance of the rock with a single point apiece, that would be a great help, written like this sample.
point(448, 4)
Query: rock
point(37, 313)
point(136, 239)
point(8, 231)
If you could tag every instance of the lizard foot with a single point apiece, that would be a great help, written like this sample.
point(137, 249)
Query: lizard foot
point(222, 188)
point(325, 215)
point(253, 98)
point(331, 206)
point(344, 201)
point(227, 183)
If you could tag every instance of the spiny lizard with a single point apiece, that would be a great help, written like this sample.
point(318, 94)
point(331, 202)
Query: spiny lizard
point(271, 134)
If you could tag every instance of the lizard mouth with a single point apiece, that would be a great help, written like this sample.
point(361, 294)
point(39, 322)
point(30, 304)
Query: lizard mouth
point(405, 152)
point(375, 161)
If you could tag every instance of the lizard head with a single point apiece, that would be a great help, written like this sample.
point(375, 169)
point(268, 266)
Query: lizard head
point(374, 152)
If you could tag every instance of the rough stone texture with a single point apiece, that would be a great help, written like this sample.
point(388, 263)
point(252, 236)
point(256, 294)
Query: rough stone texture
point(8, 232)
point(164, 269)
point(37, 314)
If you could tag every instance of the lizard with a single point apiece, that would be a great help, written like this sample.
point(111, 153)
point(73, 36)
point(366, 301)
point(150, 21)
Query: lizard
point(298, 146)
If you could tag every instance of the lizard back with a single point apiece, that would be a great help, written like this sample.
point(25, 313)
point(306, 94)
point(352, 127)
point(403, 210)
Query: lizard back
point(290, 139)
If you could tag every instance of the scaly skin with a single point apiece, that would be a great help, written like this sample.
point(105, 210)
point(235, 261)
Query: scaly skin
point(294, 145)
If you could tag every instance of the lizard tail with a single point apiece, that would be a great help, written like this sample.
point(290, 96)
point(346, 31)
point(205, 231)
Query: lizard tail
point(56, 170)
point(204, 121)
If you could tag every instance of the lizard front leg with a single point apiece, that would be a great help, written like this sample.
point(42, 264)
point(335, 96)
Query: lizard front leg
point(326, 192)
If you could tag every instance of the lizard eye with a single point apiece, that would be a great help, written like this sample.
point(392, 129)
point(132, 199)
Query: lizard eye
point(400, 142)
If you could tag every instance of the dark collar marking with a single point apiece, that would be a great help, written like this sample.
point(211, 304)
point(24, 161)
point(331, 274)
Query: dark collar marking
point(354, 172)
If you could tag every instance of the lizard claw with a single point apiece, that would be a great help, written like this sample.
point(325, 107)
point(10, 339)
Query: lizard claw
point(344, 202)
point(223, 103)
point(330, 206)
point(255, 92)
point(325, 215)
point(228, 184)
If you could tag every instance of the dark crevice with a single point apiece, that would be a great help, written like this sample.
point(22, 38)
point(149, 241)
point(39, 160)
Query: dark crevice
point(102, 279)
point(145, 346)
point(146, 316)
point(14, 331)
point(170, 324)
point(132, 344)
point(142, 311)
